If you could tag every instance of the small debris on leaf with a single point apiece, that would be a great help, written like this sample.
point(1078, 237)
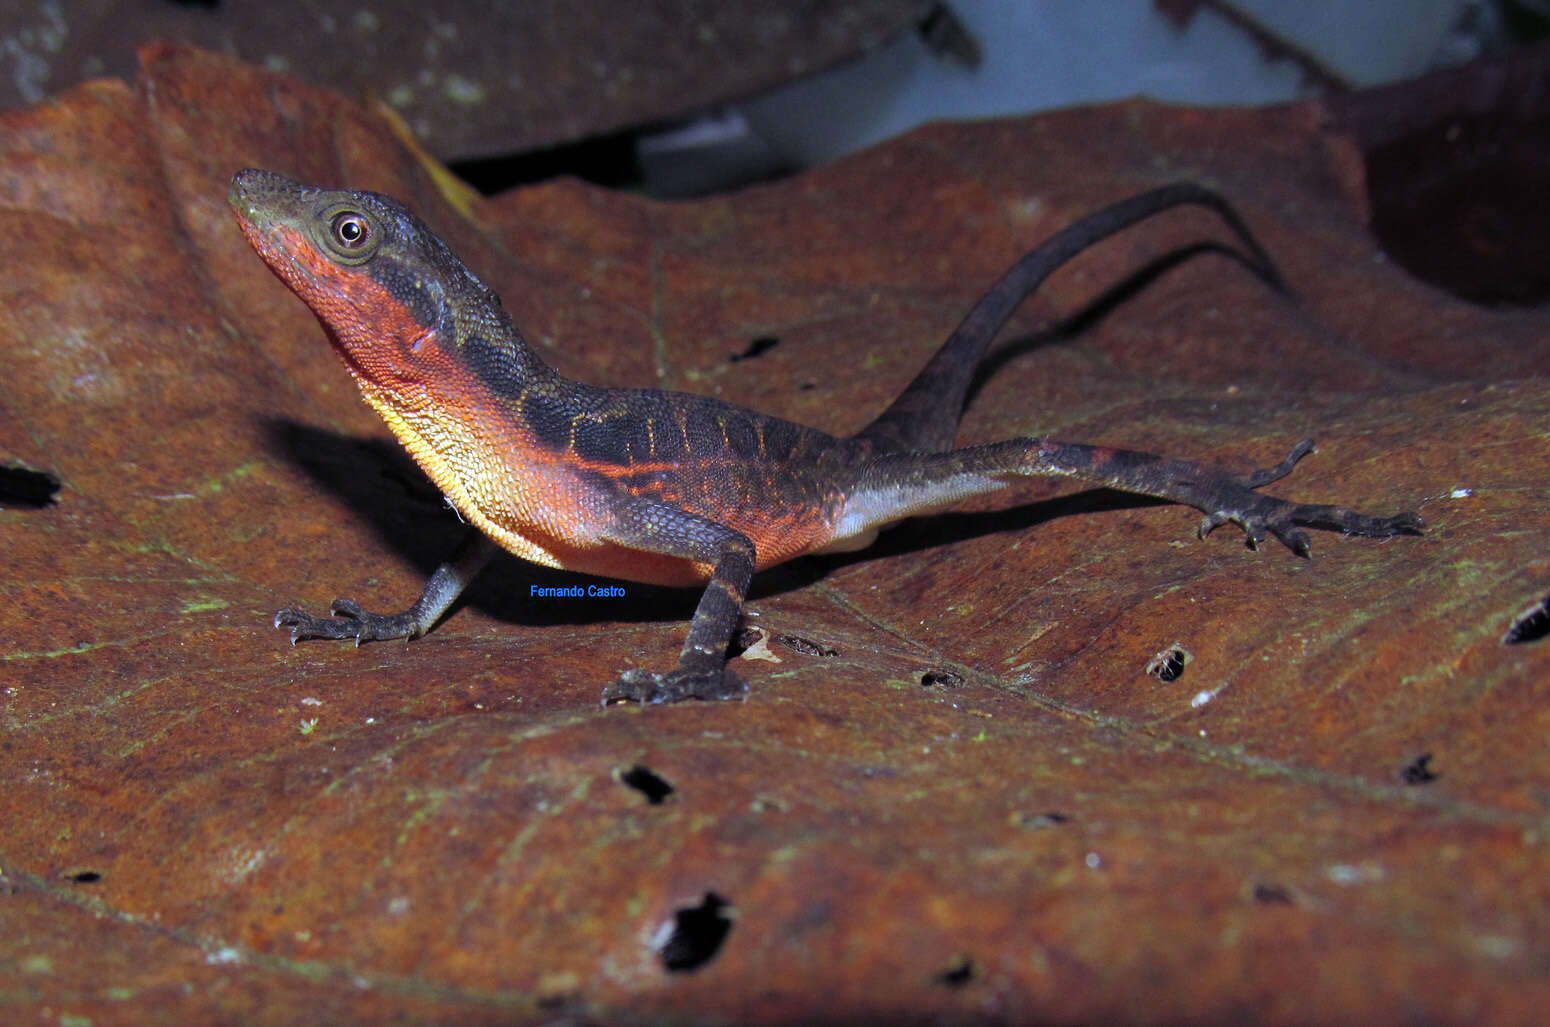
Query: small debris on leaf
point(805, 646)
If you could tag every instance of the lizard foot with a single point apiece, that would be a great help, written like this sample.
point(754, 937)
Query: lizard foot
point(643, 686)
point(346, 620)
point(1281, 519)
point(1258, 515)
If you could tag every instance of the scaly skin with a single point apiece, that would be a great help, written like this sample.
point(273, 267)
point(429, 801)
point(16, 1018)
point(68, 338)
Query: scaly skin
point(671, 488)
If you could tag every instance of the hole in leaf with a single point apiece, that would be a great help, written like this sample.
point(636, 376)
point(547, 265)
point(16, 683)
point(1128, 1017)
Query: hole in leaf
point(1169, 664)
point(756, 347)
point(24, 488)
point(1419, 771)
point(654, 787)
point(958, 973)
point(85, 876)
point(805, 646)
point(694, 935)
point(941, 679)
point(1272, 895)
point(1531, 625)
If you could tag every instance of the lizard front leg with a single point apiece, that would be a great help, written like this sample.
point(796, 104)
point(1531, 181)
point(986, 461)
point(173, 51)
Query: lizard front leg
point(702, 671)
point(348, 620)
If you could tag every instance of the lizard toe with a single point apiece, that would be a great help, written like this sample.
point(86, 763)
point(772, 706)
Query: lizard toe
point(305, 626)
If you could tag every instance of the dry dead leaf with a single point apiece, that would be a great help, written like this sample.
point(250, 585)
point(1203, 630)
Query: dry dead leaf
point(959, 796)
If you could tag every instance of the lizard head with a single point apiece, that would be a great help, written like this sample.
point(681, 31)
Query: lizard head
point(380, 281)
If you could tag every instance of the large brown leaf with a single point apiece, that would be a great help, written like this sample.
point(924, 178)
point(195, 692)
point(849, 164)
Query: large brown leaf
point(963, 797)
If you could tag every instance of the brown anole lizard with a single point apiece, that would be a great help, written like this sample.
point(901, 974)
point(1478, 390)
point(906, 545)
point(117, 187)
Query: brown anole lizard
point(672, 488)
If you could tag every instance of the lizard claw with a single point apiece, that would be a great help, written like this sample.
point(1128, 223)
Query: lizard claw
point(644, 686)
point(1293, 538)
point(1253, 532)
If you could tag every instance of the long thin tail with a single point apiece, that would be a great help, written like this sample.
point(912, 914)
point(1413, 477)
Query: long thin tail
point(926, 414)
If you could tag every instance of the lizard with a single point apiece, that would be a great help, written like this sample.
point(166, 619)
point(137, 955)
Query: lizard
point(674, 488)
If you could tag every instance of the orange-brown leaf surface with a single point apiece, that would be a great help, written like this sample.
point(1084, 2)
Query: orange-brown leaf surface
point(953, 792)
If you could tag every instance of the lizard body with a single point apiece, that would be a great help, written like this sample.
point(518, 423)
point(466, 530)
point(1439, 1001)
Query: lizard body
point(674, 488)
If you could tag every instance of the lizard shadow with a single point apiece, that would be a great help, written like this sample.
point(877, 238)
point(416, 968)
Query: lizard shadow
point(382, 486)
point(1109, 300)
point(942, 529)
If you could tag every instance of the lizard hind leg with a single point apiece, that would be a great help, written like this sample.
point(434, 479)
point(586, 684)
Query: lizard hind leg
point(908, 479)
point(1220, 496)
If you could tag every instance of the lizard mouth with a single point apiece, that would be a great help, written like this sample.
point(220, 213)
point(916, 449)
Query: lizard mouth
point(277, 245)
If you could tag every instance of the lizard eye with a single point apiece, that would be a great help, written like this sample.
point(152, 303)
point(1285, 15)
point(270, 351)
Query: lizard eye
point(351, 236)
point(350, 231)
